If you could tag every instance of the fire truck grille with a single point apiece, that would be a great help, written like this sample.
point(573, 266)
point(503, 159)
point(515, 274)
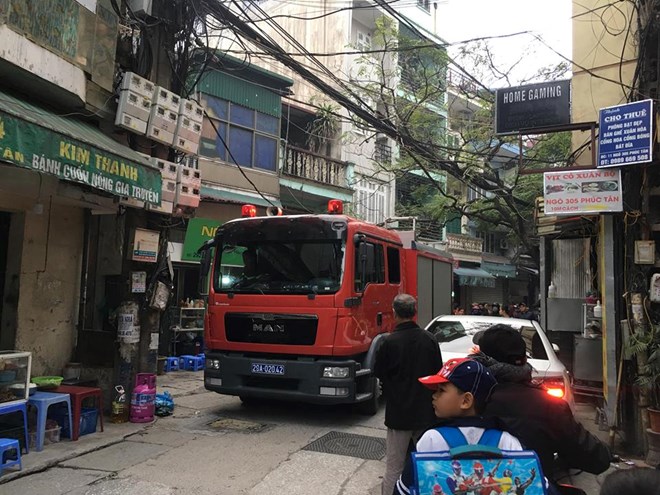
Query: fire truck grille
point(264, 328)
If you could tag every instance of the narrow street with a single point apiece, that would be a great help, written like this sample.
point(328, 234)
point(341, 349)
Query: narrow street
point(213, 444)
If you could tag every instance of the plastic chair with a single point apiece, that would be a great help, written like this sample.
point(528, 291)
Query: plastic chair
point(42, 401)
point(78, 394)
point(172, 364)
point(7, 444)
point(18, 407)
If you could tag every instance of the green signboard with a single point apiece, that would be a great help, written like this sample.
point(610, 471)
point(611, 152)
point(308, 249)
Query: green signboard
point(199, 231)
point(34, 147)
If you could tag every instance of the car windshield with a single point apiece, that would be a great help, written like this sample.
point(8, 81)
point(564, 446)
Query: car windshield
point(456, 336)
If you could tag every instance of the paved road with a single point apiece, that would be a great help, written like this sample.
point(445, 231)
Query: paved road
point(215, 445)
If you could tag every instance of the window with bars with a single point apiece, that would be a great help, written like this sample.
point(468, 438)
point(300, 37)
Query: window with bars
point(251, 136)
point(371, 201)
point(489, 241)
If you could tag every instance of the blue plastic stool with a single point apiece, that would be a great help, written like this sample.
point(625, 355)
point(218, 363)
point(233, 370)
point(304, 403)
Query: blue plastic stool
point(7, 444)
point(42, 401)
point(202, 356)
point(171, 364)
point(18, 407)
point(192, 363)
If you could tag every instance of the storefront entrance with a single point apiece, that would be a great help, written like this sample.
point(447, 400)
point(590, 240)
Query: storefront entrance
point(10, 242)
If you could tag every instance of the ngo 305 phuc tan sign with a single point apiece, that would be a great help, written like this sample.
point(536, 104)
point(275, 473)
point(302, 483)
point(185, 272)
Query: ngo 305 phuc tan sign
point(582, 191)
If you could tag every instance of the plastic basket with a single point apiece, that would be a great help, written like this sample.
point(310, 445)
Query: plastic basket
point(47, 382)
point(52, 436)
point(88, 418)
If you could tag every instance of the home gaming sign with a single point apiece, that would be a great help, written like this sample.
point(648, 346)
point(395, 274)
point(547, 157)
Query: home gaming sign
point(533, 106)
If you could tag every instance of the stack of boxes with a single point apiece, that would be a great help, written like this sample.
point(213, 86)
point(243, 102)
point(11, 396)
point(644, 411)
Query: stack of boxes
point(163, 118)
point(135, 98)
point(169, 171)
point(189, 185)
point(189, 127)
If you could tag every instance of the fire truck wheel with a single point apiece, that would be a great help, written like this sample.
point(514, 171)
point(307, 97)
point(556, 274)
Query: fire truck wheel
point(370, 406)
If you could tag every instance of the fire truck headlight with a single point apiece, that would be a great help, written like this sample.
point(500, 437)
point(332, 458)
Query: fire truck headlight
point(213, 364)
point(335, 372)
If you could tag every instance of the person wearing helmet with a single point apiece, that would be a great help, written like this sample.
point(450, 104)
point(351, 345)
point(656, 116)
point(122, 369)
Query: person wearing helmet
point(543, 423)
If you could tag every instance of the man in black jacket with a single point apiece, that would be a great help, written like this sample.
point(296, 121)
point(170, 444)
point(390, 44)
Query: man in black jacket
point(541, 422)
point(405, 355)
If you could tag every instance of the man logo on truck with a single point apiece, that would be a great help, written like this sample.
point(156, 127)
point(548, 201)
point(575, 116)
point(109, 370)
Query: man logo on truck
point(258, 327)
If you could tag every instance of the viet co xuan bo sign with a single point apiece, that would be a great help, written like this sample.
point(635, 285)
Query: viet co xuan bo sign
point(532, 106)
point(30, 146)
point(625, 134)
point(577, 192)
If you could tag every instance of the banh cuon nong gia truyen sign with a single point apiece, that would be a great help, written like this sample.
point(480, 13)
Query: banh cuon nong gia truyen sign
point(625, 134)
point(578, 192)
point(37, 148)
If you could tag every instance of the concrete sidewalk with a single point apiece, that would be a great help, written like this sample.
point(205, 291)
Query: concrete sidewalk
point(179, 384)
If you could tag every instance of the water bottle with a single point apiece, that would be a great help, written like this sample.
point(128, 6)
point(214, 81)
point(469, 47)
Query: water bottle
point(119, 406)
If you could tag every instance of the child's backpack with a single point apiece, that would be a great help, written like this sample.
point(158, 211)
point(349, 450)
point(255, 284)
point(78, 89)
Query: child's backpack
point(480, 469)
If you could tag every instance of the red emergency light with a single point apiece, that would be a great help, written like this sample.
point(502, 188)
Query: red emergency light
point(335, 206)
point(249, 211)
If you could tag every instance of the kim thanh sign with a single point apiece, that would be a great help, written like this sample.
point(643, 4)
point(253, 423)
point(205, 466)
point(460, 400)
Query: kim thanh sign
point(532, 106)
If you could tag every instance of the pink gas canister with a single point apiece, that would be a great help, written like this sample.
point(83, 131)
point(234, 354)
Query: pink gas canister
point(143, 398)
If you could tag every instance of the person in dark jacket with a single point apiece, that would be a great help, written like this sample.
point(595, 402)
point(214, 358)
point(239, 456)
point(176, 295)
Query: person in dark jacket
point(542, 423)
point(406, 354)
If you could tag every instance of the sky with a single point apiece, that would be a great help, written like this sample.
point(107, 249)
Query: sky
point(460, 20)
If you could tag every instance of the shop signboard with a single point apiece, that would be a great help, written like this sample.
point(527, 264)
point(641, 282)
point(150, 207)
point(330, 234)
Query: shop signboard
point(199, 231)
point(625, 134)
point(578, 192)
point(28, 145)
point(532, 106)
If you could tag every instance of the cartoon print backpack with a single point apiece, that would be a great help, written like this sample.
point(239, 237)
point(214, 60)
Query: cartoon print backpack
point(480, 469)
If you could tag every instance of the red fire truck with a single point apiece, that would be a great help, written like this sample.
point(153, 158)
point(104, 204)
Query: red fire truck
point(298, 304)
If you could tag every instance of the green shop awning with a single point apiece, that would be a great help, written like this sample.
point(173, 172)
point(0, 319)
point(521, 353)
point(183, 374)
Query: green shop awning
point(237, 197)
point(499, 269)
point(474, 277)
point(38, 139)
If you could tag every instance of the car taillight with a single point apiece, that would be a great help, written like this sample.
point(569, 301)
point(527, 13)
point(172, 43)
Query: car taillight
point(554, 387)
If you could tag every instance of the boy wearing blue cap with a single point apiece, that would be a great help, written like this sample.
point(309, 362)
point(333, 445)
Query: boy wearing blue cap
point(461, 389)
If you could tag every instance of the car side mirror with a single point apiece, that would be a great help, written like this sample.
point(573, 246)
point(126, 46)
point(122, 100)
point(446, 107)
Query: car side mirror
point(555, 347)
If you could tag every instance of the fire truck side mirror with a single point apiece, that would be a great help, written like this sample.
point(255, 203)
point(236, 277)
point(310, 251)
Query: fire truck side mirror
point(205, 263)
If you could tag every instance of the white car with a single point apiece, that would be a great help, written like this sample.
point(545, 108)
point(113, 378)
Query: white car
point(455, 333)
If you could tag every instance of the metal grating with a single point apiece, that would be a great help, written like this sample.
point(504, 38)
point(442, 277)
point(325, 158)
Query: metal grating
point(362, 446)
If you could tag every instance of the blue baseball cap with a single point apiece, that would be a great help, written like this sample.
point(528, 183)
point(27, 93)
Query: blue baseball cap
point(466, 374)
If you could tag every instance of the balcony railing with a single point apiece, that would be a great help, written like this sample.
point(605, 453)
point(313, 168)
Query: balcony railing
point(464, 243)
point(307, 165)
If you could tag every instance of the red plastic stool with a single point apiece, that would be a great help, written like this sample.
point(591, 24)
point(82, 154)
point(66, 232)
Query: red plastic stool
point(78, 394)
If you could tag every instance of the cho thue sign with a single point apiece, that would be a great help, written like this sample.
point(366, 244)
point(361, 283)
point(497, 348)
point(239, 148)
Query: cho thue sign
point(579, 192)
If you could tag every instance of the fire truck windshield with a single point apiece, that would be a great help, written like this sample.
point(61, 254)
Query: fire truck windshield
point(253, 262)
